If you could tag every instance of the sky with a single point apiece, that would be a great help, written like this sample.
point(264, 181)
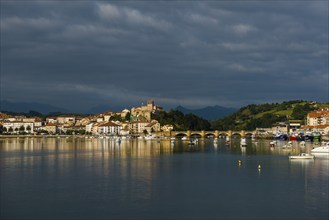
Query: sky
point(80, 54)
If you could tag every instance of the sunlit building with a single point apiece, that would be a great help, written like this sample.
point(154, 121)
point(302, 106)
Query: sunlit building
point(319, 117)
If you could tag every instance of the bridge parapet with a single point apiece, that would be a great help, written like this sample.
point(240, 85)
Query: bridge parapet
point(203, 133)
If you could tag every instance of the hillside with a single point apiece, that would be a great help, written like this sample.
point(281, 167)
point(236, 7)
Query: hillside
point(264, 115)
point(182, 122)
point(210, 112)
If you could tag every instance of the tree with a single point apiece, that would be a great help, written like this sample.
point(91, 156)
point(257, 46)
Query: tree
point(127, 118)
point(16, 130)
point(28, 128)
point(3, 130)
point(21, 128)
point(10, 130)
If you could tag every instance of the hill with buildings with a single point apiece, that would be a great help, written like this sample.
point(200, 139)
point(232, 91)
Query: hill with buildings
point(264, 115)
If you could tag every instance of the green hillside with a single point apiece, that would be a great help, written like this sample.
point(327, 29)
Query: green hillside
point(264, 115)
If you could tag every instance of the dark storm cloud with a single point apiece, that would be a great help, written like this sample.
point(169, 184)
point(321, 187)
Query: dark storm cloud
point(80, 54)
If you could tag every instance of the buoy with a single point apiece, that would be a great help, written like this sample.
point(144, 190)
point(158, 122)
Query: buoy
point(259, 167)
point(239, 161)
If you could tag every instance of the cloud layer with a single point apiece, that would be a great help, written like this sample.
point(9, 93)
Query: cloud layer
point(81, 54)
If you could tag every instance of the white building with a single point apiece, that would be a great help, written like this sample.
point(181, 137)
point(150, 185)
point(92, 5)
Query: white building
point(18, 126)
point(167, 127)
point(109, 128)
point(154, 126)
point(137, 127)
point(319, 117)
point(89, 127)
point(104, 128)
point(65, 120)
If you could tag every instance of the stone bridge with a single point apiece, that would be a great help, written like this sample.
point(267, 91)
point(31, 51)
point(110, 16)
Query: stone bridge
point(204, 134)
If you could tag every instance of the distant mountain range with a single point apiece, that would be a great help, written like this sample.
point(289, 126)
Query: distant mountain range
point(25, 107)
point(210, 113)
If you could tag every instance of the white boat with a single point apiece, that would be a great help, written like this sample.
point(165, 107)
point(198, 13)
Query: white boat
point(302, 156)
point(118, 140)
point(184, 138)
point(322, 149)
point(148, 138)
point(243, 142)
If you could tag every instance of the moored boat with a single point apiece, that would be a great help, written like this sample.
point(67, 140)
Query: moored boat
point(322, 149)
point(243, 142)
point(302, 156)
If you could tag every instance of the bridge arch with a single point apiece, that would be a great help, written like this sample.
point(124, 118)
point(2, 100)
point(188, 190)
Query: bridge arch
point(236, 134)
point(223, 134)
point(210, 133)
point(180, 134)
point(196, 135)
point(248, 134)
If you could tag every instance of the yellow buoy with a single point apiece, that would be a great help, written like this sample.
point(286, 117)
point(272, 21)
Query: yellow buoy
point(259, 167)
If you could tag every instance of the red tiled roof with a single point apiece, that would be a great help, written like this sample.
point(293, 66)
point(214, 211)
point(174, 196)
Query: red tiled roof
point(316, 126)
point(318, 114)
point(50, 124)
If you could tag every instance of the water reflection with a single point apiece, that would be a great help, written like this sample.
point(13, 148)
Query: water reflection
point(81, 177)
point(141, 148)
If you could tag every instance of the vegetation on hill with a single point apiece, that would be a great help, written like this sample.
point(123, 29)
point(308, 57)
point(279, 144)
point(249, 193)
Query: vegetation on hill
point(246, 118)
point(263, 116)
point(182, 122)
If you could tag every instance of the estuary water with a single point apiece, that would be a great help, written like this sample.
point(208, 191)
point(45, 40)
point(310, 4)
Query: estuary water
point(78, 178)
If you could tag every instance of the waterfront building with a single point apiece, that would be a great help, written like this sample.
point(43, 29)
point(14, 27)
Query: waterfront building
point(294, 125)
point(319, 117)
point(51, 128)
point(167, 128)
point(124, 131)
point(108, 128)
point(138, 127)
point(322, 129)
point(65, 120)
point(280, 127)
point(154, 126)
point(89, 127)
point(15, 127)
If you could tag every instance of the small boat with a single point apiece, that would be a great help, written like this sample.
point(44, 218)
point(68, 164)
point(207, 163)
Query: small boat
point(243, 142)
point(194, 142)
point(273, 143)
point(118, 140)
point(322, 149)
point(280, 136)
point(148, 138)
point(302, 156)
point(172, 140)
point(293, 137)
point(184, 138)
